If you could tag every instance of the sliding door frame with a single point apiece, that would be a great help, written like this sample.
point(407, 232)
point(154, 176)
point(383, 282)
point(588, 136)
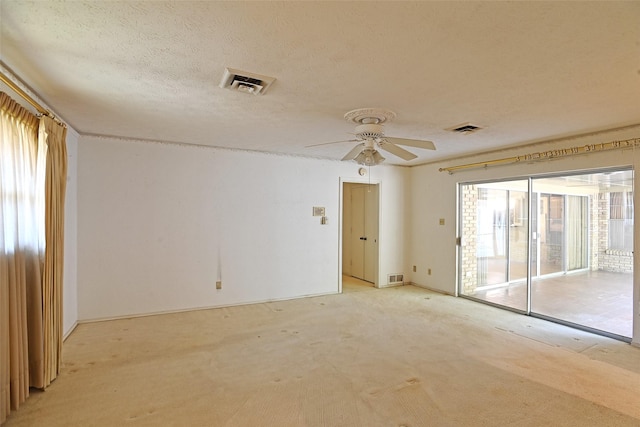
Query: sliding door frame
point(529, 245)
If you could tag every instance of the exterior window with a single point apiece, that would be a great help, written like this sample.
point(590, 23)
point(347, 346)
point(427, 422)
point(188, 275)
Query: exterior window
point(621, 221)
point(22, 179)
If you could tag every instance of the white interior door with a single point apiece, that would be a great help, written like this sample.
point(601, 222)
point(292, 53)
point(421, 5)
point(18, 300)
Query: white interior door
point(370, 233)
point(363, 235)
point(357, 232)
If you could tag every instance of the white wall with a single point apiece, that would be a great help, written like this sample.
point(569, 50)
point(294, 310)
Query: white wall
point(433, 196)
point(70, 279)
point(394, 226)
point(154, 219)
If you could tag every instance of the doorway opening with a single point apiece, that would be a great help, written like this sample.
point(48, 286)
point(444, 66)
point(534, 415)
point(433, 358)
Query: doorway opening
point(360, 229)
point(558, 247)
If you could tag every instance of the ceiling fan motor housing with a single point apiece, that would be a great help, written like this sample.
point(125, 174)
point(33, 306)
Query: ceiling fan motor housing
point(370, 130)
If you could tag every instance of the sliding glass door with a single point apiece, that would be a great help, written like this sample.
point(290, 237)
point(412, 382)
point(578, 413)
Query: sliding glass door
point(494, 255)
point(577, 241)
point(585, 250)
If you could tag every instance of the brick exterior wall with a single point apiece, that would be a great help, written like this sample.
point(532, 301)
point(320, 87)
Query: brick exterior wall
point(469, 267)
point(616, 261)
point(609, 260)
point(594, 230)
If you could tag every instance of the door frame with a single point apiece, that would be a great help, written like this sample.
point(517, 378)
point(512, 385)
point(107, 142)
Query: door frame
point(351, 180)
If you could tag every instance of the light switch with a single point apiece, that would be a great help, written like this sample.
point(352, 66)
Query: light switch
point(441, 221)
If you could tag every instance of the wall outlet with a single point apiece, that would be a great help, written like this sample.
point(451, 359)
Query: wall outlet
point(441, 221)
point(429, 272)
point(414, 268)
point(218, 284)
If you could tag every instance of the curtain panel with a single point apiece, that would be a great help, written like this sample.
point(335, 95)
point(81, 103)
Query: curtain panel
point(53, 136)
point(32, 187)
point(20, 254)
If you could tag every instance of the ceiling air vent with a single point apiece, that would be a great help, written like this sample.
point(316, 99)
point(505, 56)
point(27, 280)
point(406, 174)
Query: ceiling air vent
point(465, 129)
point(246, 82)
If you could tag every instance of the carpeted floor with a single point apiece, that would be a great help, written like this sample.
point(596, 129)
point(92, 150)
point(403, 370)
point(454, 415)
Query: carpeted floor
point(400, 356)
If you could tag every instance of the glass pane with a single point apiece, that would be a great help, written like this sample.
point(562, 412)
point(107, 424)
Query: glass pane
point(551, 233)
point(494, 242)
point(518, 223)
point(583, 262)
point(491, 236)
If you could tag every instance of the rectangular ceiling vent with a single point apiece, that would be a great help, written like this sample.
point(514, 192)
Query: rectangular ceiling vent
point(246, 82)
point(465, 129)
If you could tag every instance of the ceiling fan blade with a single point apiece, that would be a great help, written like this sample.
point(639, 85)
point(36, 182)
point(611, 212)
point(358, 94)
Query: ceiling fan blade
point(400, 152)
point(427, 145)
point(329, 143)
point(354, 152)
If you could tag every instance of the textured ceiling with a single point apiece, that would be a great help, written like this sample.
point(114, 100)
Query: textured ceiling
point(526, 71)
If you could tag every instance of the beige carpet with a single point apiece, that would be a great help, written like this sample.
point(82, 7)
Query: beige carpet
point(369, 357)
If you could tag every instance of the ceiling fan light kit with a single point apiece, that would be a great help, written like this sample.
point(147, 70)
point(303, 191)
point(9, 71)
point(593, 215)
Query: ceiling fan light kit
point(369, 157)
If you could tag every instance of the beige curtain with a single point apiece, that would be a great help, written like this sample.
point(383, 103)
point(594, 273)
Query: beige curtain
point(53, 136)
point(33, 177)
point(21, 251)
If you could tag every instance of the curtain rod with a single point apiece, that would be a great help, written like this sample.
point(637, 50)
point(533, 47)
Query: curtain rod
point(17, 89)
point(549, 154)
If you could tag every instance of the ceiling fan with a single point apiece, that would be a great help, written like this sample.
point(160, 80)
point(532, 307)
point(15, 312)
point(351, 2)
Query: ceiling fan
point(370, 138)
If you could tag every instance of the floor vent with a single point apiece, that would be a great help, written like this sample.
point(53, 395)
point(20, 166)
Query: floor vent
point(395, 279)
point(246, 82)
point(465, 129)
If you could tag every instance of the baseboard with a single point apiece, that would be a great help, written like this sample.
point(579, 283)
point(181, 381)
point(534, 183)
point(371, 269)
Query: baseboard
point(440, 291)
point(391, 285)
point(183, 310)
point(66, 335)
